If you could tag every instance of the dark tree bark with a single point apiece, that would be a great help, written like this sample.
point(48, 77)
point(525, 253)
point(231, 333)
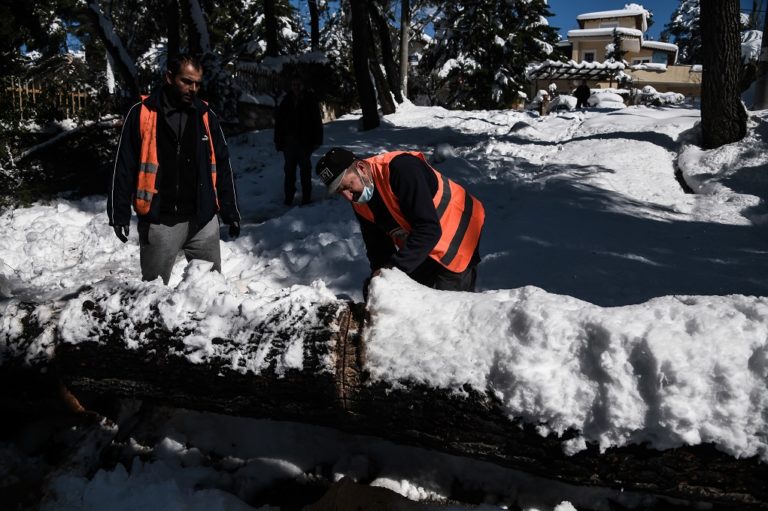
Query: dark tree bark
point(314, 25)
point(405, 37)
point(270, 24)
point(387, 53)
point(360, 49)
point(124, 64)
point(198, 38)
point(173, 23)
point(723, 118)
point(193, 42)
point(383, 91)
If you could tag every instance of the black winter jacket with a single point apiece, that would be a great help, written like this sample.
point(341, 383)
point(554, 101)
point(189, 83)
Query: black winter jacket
point(299, 123)
point(184, 185)
point(414, 184)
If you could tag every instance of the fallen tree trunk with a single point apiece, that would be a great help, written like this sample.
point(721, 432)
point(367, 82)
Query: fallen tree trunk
point(473, 426)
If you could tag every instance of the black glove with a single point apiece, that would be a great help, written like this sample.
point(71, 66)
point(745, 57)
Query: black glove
point(121, 231)
point(234, 229)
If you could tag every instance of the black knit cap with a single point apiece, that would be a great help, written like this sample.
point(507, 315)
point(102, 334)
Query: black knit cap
point(331, 167)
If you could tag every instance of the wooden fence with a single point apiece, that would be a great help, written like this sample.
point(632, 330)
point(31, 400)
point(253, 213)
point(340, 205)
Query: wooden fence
point(27, 95)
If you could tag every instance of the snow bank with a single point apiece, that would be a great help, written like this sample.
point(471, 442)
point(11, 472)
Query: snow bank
point(671, 371)
point(605, 99)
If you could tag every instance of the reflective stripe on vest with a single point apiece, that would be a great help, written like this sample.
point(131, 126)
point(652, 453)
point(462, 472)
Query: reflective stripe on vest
point(145, 184)
point(461, 215)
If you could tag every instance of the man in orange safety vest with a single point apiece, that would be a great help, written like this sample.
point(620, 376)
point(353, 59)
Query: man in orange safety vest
point(411, 216)
point(172, 166)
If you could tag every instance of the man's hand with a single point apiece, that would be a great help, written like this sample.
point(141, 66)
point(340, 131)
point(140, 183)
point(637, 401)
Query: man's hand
point(121, 231)
point(234, 229)
point(367, 282)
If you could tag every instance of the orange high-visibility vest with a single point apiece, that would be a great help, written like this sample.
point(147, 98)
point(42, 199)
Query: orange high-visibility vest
point(461, 215)
point(145, 185)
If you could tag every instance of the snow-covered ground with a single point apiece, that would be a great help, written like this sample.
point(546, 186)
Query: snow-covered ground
point(611, 302)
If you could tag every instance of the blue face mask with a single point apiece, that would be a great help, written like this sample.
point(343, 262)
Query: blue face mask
point(366, 195)
point(367, 192)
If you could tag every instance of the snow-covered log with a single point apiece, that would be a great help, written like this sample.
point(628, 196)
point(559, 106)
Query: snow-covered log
point(303, 355)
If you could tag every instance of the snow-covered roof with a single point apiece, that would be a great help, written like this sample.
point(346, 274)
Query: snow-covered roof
point(586, 32)
point(619, 13)
point(659, 45)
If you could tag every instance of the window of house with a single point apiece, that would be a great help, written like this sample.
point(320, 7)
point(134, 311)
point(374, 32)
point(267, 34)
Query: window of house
point(609, 24)
point(659, 57)
point(589, 56)
point(641, 60)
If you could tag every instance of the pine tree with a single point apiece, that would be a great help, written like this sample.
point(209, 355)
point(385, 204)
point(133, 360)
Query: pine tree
point(684, 30)
point(481, 49)
point(615, 51)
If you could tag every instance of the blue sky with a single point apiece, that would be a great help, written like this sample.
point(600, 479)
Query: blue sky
point(566, 11)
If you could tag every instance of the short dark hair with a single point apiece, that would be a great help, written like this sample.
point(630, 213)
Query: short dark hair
point(176, 62)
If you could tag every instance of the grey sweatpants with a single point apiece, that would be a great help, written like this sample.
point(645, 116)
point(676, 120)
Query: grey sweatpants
point(160, 243)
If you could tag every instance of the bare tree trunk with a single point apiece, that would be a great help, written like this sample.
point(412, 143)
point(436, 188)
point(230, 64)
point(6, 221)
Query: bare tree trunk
point(382, 88)
point(405, 29)
point(270, 23)
point(173, 23)
point(387, 53)
point(383, 91)
point(123, 62)
point(360, 48)
point(723, 118)
point(314, 24)
point(197, 28)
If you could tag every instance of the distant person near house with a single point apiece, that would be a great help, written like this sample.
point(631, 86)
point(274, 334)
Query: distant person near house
point(298, 132)
point(411, 216)
point(582, 94)
point(172, 165)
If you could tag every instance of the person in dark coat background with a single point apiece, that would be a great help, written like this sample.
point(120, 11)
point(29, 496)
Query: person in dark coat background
point(582, 94)
point(298, 132)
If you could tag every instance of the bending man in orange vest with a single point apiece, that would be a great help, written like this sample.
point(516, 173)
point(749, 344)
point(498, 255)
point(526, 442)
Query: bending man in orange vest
point(411, 216)
point(172, 165)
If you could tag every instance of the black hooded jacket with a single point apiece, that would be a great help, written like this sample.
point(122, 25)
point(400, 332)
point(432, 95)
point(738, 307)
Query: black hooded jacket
point(183, 182)
point(298, 122)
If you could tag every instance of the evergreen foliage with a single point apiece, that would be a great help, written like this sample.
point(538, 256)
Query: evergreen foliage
point(481, 49)
point(684, 30)
point(616, 51)
point(336, 44)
